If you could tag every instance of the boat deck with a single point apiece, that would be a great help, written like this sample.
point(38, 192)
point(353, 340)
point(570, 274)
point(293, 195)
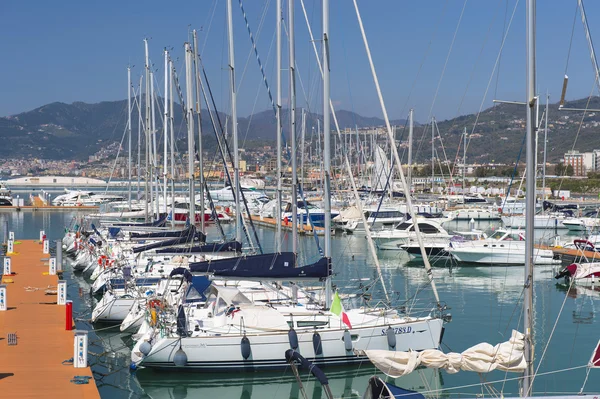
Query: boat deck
point(270, 222)
point(34, 366)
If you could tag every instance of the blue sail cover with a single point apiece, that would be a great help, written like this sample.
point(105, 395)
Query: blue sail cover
point(229, 246)
point(267, 266)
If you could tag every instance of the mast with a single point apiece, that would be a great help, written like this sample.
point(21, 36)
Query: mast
point(279, 196)
point(464, 160)
point(234, 127)
point(190, 123)
point(292, 73)
point(139, 137)
point(199, 115)
point(302, 148)
point(129, 133)
point(147, 171)
point(410, 146)
point(326, 147)
point(545, 143)
point(153, 153)
point(171, 117)
point(432, 152)
point(530, 201)
point(166, 130)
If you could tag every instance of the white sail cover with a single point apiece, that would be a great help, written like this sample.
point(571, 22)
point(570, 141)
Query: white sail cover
point(481, 358)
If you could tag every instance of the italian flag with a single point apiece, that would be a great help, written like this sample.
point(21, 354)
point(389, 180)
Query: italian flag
point(338, 309)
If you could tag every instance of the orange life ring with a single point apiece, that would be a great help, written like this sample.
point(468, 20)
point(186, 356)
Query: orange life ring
point(155, 304)
point(102, 261)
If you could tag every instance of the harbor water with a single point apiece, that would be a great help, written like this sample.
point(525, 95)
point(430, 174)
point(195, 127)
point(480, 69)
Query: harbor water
point(485, 303)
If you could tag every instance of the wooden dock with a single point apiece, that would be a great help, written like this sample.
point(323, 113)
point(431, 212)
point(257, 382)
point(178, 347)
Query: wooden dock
point(271, 222)
point(34, 366)
point(570, 255)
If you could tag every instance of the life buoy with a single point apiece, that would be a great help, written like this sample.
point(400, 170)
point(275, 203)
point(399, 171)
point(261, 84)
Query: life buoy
point(103, 261)
point(155, 304)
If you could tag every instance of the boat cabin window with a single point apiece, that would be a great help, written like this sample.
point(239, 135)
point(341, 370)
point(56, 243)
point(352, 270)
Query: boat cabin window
point(498, 235)
point(513, 237)
point(426, 228)
point(404, 226)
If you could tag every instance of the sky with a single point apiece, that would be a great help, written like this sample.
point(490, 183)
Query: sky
point(436, 56)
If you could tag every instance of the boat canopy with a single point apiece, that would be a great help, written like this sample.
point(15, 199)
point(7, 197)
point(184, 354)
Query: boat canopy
point(229, 246)
point(379, 389)
point(268, 266)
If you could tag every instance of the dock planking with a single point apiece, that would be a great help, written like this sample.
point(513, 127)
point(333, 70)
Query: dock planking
point(34, 366)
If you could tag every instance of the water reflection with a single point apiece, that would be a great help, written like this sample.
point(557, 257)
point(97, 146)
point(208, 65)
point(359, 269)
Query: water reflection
point(344, 384)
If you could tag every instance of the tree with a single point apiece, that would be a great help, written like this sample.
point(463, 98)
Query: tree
point(559, 169)
point(569, 172)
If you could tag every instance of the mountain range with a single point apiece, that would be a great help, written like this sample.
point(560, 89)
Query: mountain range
point(78, 130)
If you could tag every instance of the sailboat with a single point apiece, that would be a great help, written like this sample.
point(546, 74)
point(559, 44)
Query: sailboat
point(231, 332)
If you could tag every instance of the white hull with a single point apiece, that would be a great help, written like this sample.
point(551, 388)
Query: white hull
point(223, 353)
point(113, 309)
point(509, 255)
point(540, 222)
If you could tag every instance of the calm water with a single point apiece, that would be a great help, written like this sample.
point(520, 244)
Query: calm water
point(485, 306)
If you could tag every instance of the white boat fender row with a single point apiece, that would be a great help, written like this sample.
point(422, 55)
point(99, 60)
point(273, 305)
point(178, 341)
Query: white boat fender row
point(293, 338)
point(317, 346)
point(245, 346)
point(391, 338)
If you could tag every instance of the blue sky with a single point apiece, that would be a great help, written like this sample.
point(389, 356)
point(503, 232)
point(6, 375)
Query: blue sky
point(78, 51)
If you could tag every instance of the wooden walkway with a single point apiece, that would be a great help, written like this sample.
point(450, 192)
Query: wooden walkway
point(33, 368)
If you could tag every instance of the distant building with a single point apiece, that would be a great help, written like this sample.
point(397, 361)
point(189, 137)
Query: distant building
point(580, 162)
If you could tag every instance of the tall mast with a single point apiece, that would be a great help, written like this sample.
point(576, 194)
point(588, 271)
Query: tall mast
point(464, 160)
point(166, 131)
point(153, 152)
point(147, 171)
point(326, 147)
point(432, 152)
point(410, 147)
point(129, 133)
point(302, 148)
point(279, 196)
point(292, 73)
point(545, 146)
point(139, 137)
point(234, 127)
point(530, 201)
point(199, 115)
point(171, 118)
point(189, 87)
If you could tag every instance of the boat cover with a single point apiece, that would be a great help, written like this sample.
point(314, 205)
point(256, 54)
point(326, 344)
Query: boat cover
point(268, 266)
point(166, 234)
point(189, 238)
point(481, 358)
point(379, 389)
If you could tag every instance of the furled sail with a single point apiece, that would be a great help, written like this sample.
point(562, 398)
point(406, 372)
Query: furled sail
point(481, 358)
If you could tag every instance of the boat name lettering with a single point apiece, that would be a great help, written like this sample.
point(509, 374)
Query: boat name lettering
point(398, 330)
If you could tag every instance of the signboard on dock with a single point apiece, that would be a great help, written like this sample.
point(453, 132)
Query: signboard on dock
point(6, 263)
point(3, 298)
point(52, 267)
point(10, 247)
point(61, 292)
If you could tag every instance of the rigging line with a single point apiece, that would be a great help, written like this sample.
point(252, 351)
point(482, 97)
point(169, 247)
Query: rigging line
point(471, 76)
point(500, 61)
point(550, 337)
point(447, 58)
point(587, 105)
point(571, 40)
point(210, 21)
point(492, 74)
point(258, 92)
point(433, 34)
point(253, 42)
point(226, 147)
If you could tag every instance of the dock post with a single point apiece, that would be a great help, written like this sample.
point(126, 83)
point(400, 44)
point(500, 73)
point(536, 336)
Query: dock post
point(52, 267)
point(10, 247)
point(3, 298)
point(46, 246)
point(80, 349)
point(11, 234)
point(69, 315)
point(61, 292)
point(7, 271)
point(42, 234)
point(59, 255)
